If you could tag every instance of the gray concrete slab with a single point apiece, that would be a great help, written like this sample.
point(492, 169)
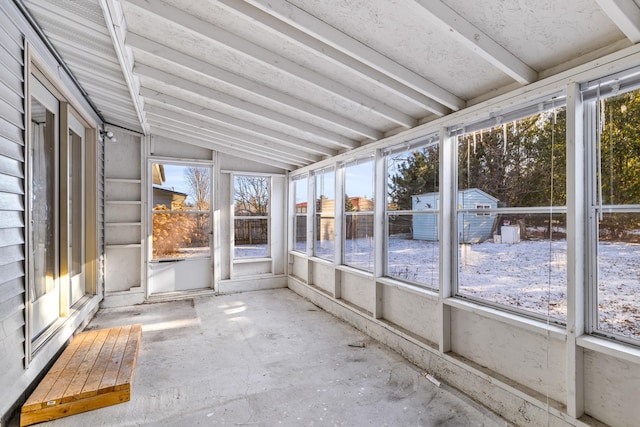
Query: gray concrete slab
point(269, 358)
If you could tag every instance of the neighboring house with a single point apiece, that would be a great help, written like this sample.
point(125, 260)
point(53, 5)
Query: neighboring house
point(173, 200)
point(472, 227)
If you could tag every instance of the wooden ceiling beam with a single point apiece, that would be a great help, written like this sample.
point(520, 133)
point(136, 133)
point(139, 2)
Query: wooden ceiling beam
point(230, 41)
point(625, 14)
point(272, 18)
point(480, 43)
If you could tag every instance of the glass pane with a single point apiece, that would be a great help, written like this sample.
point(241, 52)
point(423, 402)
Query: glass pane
point(251, 195)
point(411, 174)
point(301, 233)
point(76, 202)
point(358, 186)
point(520, 261)
point(412, 252)
point(619, 274)
point(301, 201)
point(179, 193)
point(358, 246)
point(325, 214)
point(251, 238)
point(43, 188)
point(521, 163)
point(180, 235)
point(620, 149)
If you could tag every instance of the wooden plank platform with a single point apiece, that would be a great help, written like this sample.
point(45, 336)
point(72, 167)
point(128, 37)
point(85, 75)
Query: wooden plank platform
point(94, 371)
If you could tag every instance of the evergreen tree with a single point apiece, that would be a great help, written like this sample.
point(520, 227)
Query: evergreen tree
point(417, 173)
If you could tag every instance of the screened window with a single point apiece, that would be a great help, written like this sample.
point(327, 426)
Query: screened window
point(300, 190)
point(412, 243)
point(181, 218)
point(616, 213)
point(325, 213)
point(511, 214)
point(358, 214)
point(251, 199)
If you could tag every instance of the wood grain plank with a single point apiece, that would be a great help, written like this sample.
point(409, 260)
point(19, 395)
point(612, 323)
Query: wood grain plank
point(129, 358)
point(72, 408)
point(113, 366)
point(95, 376)
point(65, 377)
point(80, 378)
point(37, 398)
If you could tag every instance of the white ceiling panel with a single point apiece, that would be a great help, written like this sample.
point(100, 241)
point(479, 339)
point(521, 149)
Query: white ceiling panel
point(291, 82)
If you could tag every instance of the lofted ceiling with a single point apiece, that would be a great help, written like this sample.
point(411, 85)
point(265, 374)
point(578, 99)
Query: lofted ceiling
point(291, 82)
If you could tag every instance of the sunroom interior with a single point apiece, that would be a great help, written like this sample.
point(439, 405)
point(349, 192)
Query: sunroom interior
point(458, 180)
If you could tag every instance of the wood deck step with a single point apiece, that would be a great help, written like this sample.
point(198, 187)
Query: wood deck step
point(94, 371)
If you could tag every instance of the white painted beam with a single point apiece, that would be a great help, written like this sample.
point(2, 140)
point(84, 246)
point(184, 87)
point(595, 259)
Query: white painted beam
point(625, 14)
point(319, 29)
point(256, 143)
point(297, 35)
point(250, 50)
point(244, 105)
point(479, 42)
point(249, 86)
point(161, 123)
point(235, 123)
point(115, 25)
point(222, 148)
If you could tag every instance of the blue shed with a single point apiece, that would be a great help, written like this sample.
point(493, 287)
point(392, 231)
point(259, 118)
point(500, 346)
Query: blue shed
point(472, 227)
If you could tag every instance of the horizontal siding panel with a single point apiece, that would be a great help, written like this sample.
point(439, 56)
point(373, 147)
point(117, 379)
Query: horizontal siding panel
point(10, 33)
point(11, 149)
point(11, 324)
point(10, 114)
point(11, 219)
point(11, 305)
point(11, 236)
point(11, 167)
point(11, 69)
point(11, 184)
point(11, 357)
point(11, 202)
point(9, 131)
point(10, 254)
point(10, 94)
point(11, 288)
point(12, 271)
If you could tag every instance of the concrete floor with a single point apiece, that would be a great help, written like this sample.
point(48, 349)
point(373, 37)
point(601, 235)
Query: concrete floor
point(269, 358)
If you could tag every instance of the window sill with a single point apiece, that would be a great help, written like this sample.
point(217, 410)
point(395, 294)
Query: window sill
point(251, 260)
point(409, 287)
point(355, 271)
point(531, 325)
point(622, 351)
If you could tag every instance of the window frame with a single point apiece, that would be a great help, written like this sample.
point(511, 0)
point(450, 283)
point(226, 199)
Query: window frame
point(233, 216)
point(317, 214)
point(295, 180)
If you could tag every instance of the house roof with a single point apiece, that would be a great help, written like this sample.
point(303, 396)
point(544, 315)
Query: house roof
point(466, 190)
point(291, 82)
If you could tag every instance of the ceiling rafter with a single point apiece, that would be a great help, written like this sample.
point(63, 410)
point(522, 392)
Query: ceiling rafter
point(190, 130)
point(230, 134)
point(250, 50)
point(242, 105)
point(625, 14)
point(306, 40)
point(238, 124)
point(337, 39)
point(479, 42)
point(249, 86)
point(221, 147)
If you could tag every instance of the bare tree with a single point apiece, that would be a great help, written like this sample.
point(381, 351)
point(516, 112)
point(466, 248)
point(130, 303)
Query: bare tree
point(199, 181)
point(251, 195)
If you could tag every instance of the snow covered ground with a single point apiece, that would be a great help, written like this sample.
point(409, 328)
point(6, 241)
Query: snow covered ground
point(529, 276)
